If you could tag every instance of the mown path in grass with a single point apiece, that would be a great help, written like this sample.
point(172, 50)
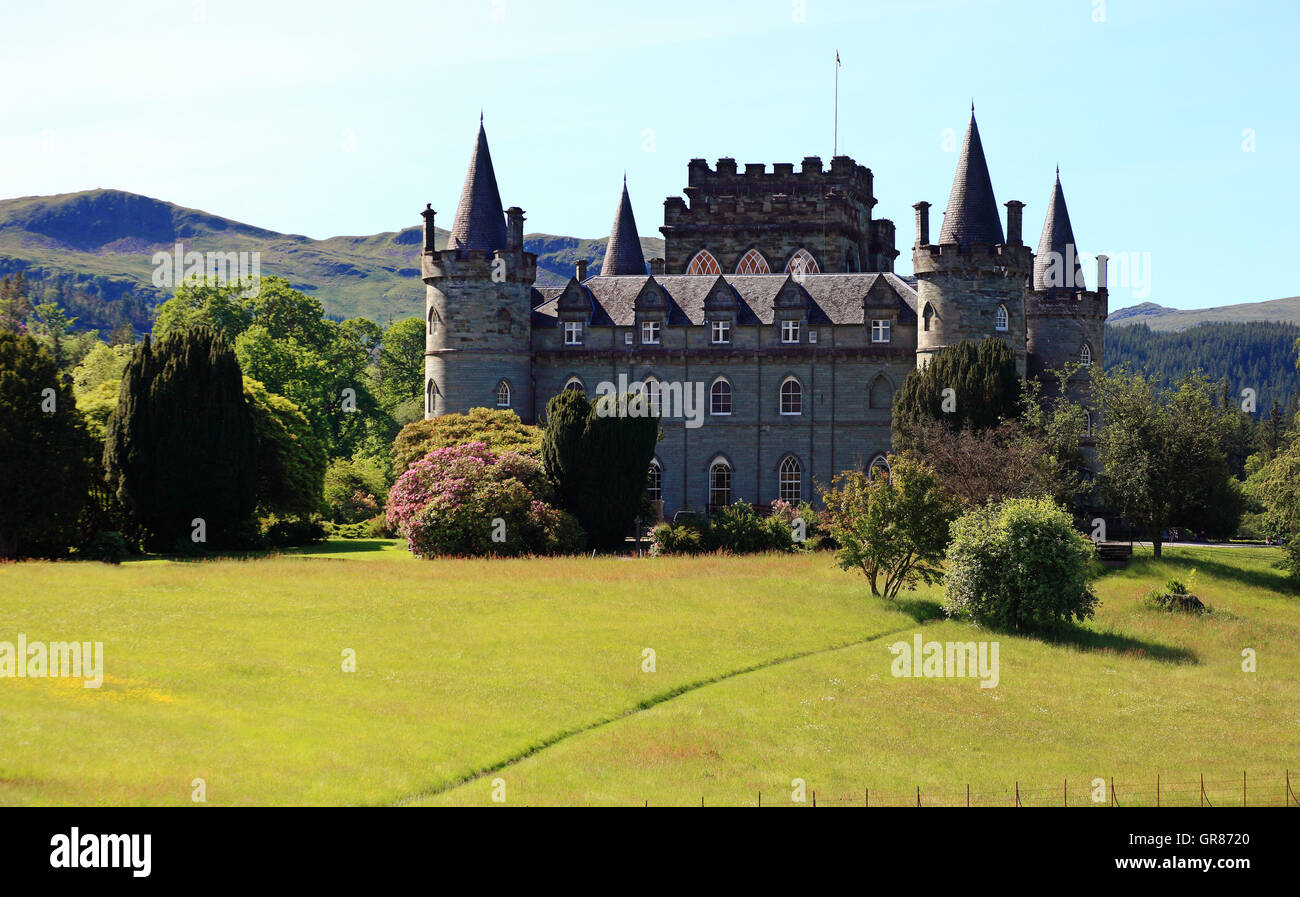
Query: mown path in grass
point(231, 670)
point(1137, 697)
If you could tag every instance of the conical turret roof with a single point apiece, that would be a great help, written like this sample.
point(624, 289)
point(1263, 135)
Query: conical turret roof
point(972, 215)
point(623, 254)
point(1057, 242)
point(480, 222)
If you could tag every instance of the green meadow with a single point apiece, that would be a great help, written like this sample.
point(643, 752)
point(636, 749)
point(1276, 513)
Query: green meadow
point(532, 679)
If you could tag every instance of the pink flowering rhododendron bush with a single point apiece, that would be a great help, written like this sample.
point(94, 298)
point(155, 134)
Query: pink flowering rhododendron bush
point(468, 500)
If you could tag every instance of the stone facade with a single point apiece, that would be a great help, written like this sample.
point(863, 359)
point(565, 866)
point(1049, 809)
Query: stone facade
point(796, 364)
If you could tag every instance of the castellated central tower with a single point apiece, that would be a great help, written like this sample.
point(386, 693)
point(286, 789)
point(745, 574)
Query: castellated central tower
point(971, 285)
point(477, 302)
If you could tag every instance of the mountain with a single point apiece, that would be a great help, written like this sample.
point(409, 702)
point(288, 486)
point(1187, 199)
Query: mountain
point(93, 251)
point(1159, 317)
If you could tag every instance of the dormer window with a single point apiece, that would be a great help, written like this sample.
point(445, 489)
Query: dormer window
point(573, 333)
point(789, 331)
point(880, 331)
point(721, 332)
point(650, 333)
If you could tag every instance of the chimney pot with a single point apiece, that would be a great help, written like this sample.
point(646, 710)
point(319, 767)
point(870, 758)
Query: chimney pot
point(581, 270)
point(658, 266)
point(1015, 214)
point(1101, 271)
point(428, 214)
point(922, 223)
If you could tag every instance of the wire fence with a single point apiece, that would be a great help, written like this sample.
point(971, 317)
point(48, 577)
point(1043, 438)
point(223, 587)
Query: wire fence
point(1245, 790)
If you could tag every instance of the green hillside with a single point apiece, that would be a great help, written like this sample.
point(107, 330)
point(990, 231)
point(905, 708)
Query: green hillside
point(1260, 355)
point(93, 251)
point(1159, 317)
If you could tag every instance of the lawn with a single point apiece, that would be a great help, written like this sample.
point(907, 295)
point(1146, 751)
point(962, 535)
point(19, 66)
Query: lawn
point(766, 670)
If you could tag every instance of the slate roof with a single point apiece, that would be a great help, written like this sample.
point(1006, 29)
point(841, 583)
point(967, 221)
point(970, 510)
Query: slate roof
point(831, 298)
point(623, 253)
point(1057, 234)
point(972, 215)
point(480, 222)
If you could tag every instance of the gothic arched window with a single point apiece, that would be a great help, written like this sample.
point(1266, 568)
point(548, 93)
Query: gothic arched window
point(881, 394)
point(802, 262)
point(927, 315)
point(879, 465)
point(720, 482)
point(791, 396)
point(503, 394)
point(790, 480)
point(753, 263)
point(430, 397)
point(654, 487)
point(1001, 320)
point(1085, 355)
point(720, 397)
point(704, 263)
point(574, 383)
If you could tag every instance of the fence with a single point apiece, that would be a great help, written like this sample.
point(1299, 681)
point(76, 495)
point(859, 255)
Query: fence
point(1266, 790)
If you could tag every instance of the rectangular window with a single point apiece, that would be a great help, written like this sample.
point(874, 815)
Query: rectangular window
point(627, 338)
point(573, 333)
point(650, 333)
point(721, 332)
point(880, 331)
point(789, 331)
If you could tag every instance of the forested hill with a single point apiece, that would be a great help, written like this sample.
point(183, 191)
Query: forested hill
point(1260, 355)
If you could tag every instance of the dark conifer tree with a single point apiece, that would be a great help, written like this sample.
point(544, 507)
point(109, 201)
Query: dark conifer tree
point(181, 445)
point(44, 452)
point(986, 389)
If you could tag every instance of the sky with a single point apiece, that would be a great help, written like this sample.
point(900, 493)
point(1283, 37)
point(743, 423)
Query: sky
point(1174, 124)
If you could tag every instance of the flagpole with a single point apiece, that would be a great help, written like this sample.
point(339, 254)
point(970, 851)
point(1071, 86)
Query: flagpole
point(835, 145)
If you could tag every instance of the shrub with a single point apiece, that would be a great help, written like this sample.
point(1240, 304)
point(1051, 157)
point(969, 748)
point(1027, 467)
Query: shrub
point(1291, 561)
point(1175, 596)
point(468, 500)
point(109, 547)
point(684, 538)
point(499, 429)
point(1019, 564)
point(280, 532)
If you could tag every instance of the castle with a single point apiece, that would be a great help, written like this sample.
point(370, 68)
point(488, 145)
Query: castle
point(776, 298)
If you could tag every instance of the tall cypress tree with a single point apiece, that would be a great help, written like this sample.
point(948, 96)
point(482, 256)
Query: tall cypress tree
point(986, 389)
point(181, 444)
point(598, 464)
point(44, 451)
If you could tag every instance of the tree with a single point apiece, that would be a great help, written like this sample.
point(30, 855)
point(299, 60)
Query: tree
point(44, 450)
point(597, 456)
point(14, 304)
point(1019, 564)
point(182, 443)
point(290, 459)
point(1159, 447)
point(220, 306)
point(500, 429)
point(972, 384)
point(401, 368)
point(892, 527)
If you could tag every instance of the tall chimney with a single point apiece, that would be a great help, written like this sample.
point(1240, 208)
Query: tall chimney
point(658, 266)
point(514, 228)
point(1101, 271)
point(922, 223)
point(428, 214)
point(1015, 210)
point(581, 272)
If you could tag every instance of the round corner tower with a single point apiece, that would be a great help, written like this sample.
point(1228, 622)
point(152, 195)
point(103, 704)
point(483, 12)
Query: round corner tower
point(971, 285)
point(478, 302)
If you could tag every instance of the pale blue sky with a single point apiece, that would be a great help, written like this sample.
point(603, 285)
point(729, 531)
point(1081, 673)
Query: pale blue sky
point(331, 118)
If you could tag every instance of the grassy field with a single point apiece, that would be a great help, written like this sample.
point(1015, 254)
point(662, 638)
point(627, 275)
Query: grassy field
point(767, 669)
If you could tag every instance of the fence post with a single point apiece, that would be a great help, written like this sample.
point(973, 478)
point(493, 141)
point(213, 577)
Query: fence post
point(1202, 789)
point(1243, 787)
point(814, 798)
point(760, 798)
point(1114, 801)
point(918, 795)
point(1157, 789)
point(866, 797)
point(1065, 794)
point(968, 794)
point(1017, 794)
